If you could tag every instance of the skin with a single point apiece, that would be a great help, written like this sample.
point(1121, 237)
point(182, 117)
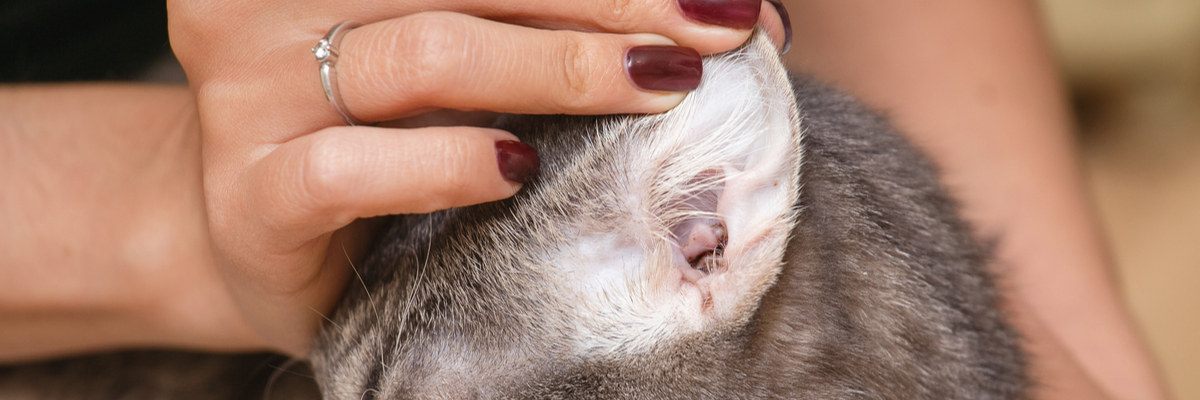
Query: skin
point(974, 84)
point(233, 240)
point(106, 242)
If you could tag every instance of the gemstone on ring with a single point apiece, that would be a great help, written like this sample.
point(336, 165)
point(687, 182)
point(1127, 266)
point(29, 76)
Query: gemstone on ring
point(322, 50)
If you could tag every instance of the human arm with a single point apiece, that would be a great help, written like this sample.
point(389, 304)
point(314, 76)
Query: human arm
point(974, 84)
point(105, 242)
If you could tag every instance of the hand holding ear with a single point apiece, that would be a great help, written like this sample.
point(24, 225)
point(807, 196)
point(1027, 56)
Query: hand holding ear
point(284, 179)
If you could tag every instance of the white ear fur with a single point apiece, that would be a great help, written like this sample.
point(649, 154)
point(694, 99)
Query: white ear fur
point(743, 122)
point(737, 136)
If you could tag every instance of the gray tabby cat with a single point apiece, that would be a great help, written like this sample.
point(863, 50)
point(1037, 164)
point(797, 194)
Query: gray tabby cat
point(765, 239)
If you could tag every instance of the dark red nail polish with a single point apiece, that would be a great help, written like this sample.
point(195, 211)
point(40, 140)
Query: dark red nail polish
point(664, 68)
point(787, 24)
point(736, 14)
point(518, 162)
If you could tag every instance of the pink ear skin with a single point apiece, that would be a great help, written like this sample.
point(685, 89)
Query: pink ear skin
point(700, 241)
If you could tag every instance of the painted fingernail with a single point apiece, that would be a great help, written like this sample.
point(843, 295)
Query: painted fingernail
point(518, 162)
point(736, 14)
point(787, 24)
point(664, 68)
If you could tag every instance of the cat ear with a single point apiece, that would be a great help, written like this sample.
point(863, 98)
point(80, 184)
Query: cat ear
point(721, 178)
point(702, 205)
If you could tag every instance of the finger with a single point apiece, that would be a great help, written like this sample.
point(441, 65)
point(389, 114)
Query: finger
point(774, 19)
point(709, 26)
point(390, 69)
point(320, 182)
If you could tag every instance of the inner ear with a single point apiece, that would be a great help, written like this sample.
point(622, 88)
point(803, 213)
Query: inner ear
point(702, 243)
point(700, 237)
point(702, 205)
point(721, 178)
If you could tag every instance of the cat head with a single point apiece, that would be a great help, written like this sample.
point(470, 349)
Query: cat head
point(631, 265)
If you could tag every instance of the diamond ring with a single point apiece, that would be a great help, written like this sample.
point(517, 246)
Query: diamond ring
point(327, 54)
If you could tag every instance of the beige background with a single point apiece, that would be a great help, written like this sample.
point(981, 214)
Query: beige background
point(1134, 71)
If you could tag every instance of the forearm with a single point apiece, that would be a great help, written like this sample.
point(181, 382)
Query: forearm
point(105, 241)
point(974, 84)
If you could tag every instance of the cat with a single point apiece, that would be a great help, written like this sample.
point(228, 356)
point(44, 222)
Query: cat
point(767, 238)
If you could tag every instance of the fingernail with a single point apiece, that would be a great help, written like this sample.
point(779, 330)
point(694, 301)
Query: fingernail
point(518, 162)
point(787, 24)
point(664, 68)
point(736, 14)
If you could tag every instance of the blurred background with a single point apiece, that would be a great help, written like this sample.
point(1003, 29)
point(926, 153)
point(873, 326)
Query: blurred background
point(1133, 67)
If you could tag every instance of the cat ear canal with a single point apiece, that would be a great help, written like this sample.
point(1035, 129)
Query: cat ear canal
point(724, 178)
point(699, 237)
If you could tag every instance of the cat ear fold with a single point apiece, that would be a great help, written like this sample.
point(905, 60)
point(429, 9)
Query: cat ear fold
point(722, 176)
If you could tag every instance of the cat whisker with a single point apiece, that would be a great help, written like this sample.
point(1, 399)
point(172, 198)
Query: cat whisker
point(285, 368)
point(327, 319)
point(412, 291)
point(365, 290)
point(361, 281)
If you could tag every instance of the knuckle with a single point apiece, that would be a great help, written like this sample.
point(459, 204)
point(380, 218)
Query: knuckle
point(580, 74)
point(190, 28)
point(449, 177)
point(619, 15)
point(426, 48)
point(192, 13)
point(455, 168)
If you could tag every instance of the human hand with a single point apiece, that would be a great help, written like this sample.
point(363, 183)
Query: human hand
point(284, 181)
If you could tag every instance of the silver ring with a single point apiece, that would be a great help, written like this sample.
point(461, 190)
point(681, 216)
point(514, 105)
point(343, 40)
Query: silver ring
point(327, 54)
